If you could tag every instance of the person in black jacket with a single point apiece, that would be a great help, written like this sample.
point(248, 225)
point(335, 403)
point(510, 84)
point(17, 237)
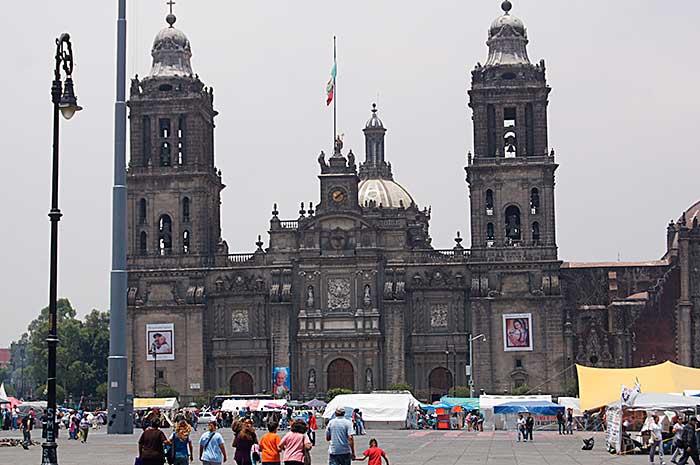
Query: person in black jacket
point(690, 442)
point(529, 426)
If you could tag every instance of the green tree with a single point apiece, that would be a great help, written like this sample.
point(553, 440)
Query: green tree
point(401, 387)
point(459, 391)
point(521, 390)
point(166, 391)
point(81, 354)
point(331, 393)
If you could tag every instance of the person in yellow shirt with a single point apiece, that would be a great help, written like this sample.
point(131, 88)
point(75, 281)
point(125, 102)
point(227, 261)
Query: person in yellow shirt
point(269, 445)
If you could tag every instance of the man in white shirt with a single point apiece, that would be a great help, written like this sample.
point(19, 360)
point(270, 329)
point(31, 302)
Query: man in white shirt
point(521, 428)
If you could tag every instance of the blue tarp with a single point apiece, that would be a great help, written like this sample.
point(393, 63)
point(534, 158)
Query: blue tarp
point(536, 407)
point(467, 403)
point(436, 406)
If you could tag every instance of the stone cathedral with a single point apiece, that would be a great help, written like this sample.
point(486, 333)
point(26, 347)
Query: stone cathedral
point(351, 292)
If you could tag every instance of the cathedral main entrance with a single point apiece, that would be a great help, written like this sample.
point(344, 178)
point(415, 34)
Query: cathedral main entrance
point(242, 383)
point(439, 382)
point(341, 374)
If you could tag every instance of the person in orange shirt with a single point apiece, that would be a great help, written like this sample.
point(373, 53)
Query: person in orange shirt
point(269, 445)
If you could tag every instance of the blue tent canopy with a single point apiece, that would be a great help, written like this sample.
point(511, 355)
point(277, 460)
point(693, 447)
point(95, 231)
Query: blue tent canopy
point(437, 406)
point(468, 403)
point(536, 407)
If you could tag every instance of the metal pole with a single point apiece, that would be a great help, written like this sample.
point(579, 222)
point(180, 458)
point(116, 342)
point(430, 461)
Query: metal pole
point(22, 348)
point(49, 454)
point(471, 368)
point(155, 371)
point(120, 410)
point(447, 366)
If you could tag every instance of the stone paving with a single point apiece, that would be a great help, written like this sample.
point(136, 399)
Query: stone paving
point(402, 447)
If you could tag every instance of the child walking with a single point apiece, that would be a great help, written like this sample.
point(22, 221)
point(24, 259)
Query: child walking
point(269, 445)
point(374, 454)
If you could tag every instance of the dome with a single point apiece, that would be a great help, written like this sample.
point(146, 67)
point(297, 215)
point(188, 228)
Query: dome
point(507, 20)
point(171, 52)
point(374, 122)
point(690, 214)
point(507, 40)
point(385, 193)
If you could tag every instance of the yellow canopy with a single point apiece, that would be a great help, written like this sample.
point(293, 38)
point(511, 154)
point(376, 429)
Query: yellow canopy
point(601, 386)
point(163, 403)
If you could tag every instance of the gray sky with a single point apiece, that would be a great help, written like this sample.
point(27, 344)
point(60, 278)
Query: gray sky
point(623, 118)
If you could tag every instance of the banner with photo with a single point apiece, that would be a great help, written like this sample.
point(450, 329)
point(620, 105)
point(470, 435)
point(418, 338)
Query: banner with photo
point(160, 338)
point(280, 382)
point(517, 332)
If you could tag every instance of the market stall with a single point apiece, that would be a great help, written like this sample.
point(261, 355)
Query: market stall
point(379, 410)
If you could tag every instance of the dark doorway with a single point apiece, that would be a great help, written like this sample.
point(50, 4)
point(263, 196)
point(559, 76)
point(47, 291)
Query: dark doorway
point(439, 382)
point(242, 383)
point(341, 374)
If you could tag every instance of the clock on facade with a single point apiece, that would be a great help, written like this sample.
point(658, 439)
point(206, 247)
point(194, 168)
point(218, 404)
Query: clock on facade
point(339, 195)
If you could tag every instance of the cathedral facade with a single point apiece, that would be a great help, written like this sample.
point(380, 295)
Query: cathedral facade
point(351, 293)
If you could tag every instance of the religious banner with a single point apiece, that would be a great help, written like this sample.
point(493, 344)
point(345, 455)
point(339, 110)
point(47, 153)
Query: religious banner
point(280, 382)
point(613, 434)
point(160, 343)
point(517, 332)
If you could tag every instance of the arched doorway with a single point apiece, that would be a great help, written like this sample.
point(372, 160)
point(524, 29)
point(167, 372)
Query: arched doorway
point(439, 382)
point(341, 374)
point(242, 383)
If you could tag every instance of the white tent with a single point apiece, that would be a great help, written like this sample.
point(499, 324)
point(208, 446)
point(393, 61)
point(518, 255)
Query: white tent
point(573, 403)
point(656, 401)
point(163, 403)
point(488, 402)
point(231, 405)
point(379, 410)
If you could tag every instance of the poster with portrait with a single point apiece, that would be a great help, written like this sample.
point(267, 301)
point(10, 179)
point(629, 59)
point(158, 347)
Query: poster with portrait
point(160, 338)
point(280, 382)
point(517, 332)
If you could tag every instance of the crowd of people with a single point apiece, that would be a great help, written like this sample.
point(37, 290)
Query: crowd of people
point(293, 448)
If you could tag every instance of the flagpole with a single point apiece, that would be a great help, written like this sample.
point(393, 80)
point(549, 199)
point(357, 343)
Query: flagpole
point(335, 95)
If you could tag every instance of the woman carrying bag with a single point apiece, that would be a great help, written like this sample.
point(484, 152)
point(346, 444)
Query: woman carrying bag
point(151, 445)
point(296, 445)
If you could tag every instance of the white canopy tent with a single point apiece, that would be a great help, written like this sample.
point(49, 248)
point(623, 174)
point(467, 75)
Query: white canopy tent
point(231, 405)
point(573, 403)
point(163, 403)
point(379, 410)
point(500, 422)
point(656, 401)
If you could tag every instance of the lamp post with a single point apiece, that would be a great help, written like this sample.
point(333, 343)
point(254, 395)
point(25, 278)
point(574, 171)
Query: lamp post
point(65, 103)
point(447, 367)
point(154, 351)
point(471, 361)
point(22, 351)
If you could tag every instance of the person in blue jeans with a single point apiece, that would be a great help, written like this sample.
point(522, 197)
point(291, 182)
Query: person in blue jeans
point(182, 443)
point(212, 450)
point(339, 433)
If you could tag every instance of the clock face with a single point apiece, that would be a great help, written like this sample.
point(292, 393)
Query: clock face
point(338, 195)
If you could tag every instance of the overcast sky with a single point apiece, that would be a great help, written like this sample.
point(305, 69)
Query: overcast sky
point(623, 118)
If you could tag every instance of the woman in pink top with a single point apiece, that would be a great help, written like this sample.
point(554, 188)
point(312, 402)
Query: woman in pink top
point(295, 443)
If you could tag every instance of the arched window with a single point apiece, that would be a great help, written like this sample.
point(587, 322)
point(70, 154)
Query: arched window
point(535, 232)
point(513, 232)
point(146, 140)
point(181, 140)
point(534, 201)
point(490, 235)
point(165, 154)
point(142, 211)
point(165, 235)
point(186, 209)
point(186, 242)
point(510, 140)
point(489, 202)
point(143, 243)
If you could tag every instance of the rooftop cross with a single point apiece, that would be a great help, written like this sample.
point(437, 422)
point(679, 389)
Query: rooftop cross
point(170, 3)
point(170, 19)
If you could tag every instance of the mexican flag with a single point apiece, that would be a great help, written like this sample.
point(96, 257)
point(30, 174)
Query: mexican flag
point(330, 87)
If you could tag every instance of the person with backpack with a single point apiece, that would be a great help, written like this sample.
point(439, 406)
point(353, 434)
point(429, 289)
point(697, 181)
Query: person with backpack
point(212, 450)
point(181, 453)
point(151, 444)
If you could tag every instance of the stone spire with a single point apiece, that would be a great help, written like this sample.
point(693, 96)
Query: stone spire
point(171, 52)
point(375, 165)
point(507, 40)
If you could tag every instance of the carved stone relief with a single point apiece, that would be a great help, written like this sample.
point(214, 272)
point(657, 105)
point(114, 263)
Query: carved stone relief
point(338, 293)
point(438, 315)
point(239, 321)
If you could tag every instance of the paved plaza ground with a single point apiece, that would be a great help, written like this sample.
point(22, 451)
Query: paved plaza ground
point(402, 447)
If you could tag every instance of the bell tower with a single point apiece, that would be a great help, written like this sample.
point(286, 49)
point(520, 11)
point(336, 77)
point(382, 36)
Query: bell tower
point(173, 185)
point(511, 173)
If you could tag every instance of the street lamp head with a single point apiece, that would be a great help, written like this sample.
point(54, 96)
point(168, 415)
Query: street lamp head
point(69, 102)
